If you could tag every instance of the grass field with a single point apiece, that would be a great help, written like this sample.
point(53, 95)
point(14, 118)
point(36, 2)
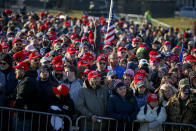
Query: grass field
point(73, 13)
point(180, 22)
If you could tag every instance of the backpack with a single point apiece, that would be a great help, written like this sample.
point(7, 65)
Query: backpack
point(158, 110)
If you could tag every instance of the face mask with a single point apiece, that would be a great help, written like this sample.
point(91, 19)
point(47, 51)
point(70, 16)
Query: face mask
point(186, 90)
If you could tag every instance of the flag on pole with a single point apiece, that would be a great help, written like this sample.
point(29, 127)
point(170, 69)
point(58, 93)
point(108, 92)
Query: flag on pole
point(109, 36)
point(181, 53)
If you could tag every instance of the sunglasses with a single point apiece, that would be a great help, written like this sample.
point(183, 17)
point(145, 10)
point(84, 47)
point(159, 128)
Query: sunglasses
point(3, 63)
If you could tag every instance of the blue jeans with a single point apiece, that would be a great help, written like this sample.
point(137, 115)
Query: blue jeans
point(19, 125)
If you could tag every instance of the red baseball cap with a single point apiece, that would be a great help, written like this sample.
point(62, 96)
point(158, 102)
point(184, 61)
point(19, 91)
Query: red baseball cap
point(138, 77)
point(121, 48)
point(191, 58)
point(87, 56)
point(102, 57)
point(71, 50)
point(21, 65)
point(142, 72)
point(16, 40)
point(4, 45)
point(153, 53)
point(84, 38)
point(152, 97)
point(166, 43)
point(58, 67)
point(57, 59)
point(154, 59)
point(73, 36)
point(135, 40)
point(82, 63)
point(61, 90)
point(34, 54)
point(144, 46)
point(21, 55)
point(57, 40)
point(93, 74)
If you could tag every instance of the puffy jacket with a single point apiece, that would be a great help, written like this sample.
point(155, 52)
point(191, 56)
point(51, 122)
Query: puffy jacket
point(178, 113)
point(92, 102)
point(122, 110)
point(151, 115)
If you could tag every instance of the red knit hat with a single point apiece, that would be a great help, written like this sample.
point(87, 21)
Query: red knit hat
point(61, 90)
point(71, 50)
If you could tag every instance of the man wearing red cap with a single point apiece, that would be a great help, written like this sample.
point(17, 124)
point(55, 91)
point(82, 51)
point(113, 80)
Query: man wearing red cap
point(121, 52)
point(27, 91)
point(92, 99)
point(57, 73)
point(34, 59)
point(101, 64)
point(16, 46)
point(70, 55)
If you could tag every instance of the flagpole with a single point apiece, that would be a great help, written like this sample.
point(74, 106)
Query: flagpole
point(110, 14)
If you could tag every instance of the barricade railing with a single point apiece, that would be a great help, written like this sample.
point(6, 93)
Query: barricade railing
point(12, 119)
point(135, 125)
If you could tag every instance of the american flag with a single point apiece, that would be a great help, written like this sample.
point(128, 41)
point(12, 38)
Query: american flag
point(111, 27)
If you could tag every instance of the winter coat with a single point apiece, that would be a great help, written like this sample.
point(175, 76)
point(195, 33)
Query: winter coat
point(151, 115)
point(2, 88)
point(45, 93)
point(122, 110)
point(27, 92)
point(178, 113)
point(74, 88)
point(141, 99)
point(66, 107)
point(92, 102)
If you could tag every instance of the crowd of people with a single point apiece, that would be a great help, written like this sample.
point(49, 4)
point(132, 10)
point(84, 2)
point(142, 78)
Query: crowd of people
point(61, 64)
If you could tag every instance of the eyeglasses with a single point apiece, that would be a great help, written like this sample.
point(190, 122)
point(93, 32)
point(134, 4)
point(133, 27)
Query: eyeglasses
point(3, 63)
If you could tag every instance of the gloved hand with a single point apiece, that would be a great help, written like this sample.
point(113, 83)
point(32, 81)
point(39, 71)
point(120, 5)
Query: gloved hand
point(148, 118)
point(154, 124)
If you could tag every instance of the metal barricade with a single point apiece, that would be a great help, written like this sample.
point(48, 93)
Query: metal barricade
point(113, 125)
point(12, 119)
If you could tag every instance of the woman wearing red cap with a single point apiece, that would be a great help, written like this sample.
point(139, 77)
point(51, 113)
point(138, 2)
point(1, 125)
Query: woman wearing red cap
point(152, 114)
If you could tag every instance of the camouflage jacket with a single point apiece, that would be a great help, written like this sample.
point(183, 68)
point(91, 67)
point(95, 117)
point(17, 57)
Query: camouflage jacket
point(182, 114)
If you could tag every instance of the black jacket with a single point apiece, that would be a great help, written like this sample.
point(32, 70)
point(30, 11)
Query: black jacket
point(45, 93)
point(27, 92)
